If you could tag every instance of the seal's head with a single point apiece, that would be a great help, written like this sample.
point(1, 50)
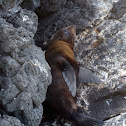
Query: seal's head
point(66, 34)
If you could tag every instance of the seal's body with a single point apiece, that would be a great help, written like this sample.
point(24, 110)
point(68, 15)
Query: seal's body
point(64, 69)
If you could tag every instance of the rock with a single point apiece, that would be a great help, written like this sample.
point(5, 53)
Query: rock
point(10, 121)
point(118, 10)
point(24, 18)
point(9, 65)
point(14, 14)
point(30, 4)
point(12, 38)
point(34, 70)
point(101, 102)
point(117, 121)
point(9, 7)
point(105, 58)
point(48, 7)
point(23, 104)
point(8, 90)
point(80, 13)
point(26, 88)
point(8, 4)
point(101, 49)
point(24, 72)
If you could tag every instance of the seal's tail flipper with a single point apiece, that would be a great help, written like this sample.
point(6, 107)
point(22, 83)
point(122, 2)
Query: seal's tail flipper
point(87, 76)
point(83, 120)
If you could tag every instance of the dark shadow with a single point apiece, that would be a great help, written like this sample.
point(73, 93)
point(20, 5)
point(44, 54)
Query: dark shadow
point(69, 14)
point(49, 115)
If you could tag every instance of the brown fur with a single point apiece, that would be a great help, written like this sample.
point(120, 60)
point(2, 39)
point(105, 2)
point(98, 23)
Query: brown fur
point(59, 96)
point(59, 54)
point(59, 49)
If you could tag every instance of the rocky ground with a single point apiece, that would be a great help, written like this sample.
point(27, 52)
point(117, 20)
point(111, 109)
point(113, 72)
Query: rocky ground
point(25, 28)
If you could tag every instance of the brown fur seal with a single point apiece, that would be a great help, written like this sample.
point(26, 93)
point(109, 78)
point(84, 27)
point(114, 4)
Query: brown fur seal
point(64, 69)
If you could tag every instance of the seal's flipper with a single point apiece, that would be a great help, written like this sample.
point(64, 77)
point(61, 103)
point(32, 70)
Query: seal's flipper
point(70, 78)
point(83, 120)
point(87, 76)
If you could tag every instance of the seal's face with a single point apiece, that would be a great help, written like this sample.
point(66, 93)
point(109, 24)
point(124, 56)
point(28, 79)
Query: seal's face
point(66, 34)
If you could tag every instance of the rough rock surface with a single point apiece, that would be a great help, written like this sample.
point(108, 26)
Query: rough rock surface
point(24, 73)
point(119, 120)
point(10, 121)
point(104, 53)
point(100, 47)
point(82, 13)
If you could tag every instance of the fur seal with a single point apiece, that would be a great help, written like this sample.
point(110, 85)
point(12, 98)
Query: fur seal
point(64, 69)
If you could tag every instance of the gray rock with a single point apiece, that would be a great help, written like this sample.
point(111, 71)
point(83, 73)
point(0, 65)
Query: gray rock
point(10, 121)
point(8, 90)
point(24, 18)
point(101, 102)
point(23, 91)
point(24, 73)
point(102, 50)
point(123, 19)
point(9, 7)
point(119, 120)
point(7, 4)
point(118, 10)
point(9, 65)
point(23, 104)
point(82, 13)
point(34, 70)
point(12, 38)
